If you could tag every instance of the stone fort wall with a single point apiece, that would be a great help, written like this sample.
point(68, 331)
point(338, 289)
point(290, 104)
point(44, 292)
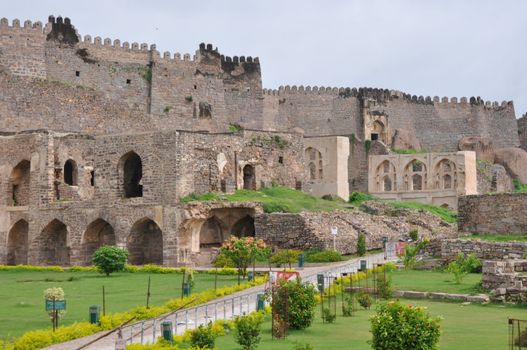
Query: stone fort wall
point(106, 86)
point(493, 213)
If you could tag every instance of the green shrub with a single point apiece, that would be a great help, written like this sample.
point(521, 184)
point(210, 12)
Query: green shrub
point(364, 300)
point(384, 286)
point(357, 198)
point(301, 302)
point(323, 256)
point(328, 316)
point(347, 305)
point(401, 327)
point(463, 265)
point(519, 187)
point(361, 244)
point(223, 261)
point(247, 332)
point(414, 235)
point(301, 346)
point(203, 337)
point(285, 256)
point(110, 259)
point(410, 254)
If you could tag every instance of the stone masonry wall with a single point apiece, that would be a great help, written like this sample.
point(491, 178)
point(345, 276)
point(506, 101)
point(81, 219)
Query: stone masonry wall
point(308, 230)
point(522, 131)
point(448, 249)
point(493, 213)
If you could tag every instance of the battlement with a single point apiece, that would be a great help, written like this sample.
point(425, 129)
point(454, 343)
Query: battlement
point(382, 95)
point(15, 25)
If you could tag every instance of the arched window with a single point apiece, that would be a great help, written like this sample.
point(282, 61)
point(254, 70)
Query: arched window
point(244, 227)
point(19, 181)
point(445, 175)
point(97, 234)
point(385, 175)
point(249, 177)
point(53, 244)
point(211, 233)
point(415, 176)
point(132, 173)
point(314, 163)
point(70, 172)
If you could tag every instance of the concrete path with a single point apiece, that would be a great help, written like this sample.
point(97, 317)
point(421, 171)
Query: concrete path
point(227, 307)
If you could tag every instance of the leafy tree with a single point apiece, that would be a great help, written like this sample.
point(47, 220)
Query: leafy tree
point(301, 303)
point(361, 244)
point(463, 265)
point(248, 329)
point(110, 259)
point(285, 256)
point(397, 326)
point(242, 251)
point(203, 337)
point(410, 254)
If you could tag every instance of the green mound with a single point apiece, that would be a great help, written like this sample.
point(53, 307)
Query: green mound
point(446, 214)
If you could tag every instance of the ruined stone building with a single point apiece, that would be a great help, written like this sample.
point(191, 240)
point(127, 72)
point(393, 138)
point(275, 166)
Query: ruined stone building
point(101, 139)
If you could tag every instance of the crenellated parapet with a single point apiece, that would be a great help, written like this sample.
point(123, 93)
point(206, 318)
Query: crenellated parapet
point(16, 26)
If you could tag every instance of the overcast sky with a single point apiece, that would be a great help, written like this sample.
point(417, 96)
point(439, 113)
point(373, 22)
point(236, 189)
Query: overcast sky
point(445, 48)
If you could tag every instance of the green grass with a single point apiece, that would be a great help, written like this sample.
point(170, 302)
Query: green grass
point(519, 187)
point(22, 302)
point(464, 327)
point(447, 215)
point(434, 281)
point(274, 199)
point(520, 237)
point(408, 151)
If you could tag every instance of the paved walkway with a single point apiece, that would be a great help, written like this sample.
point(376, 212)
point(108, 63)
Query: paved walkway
point(227, 307)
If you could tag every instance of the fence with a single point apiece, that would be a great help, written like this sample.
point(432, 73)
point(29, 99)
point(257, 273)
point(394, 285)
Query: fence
point(517, 334)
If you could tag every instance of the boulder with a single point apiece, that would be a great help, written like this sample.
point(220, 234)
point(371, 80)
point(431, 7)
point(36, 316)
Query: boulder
point(404, 139)
point(481, 145)
point(514, 160)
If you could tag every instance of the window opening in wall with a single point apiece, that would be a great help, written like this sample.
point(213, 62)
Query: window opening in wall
point(132, 175)
point(128, 81)
point(195, 87)
point(77, 73)
point(374, 137)
point(223, 185)
point(70, 172)
point(281, 160)
point(19, 180)
point(249, 178)
point(92, 178)
point(298, 185)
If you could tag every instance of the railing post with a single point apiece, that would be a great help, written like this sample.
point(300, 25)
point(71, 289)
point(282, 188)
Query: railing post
point(154, 331)
point(142, 331)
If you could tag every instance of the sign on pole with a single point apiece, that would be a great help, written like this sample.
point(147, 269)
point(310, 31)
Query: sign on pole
point(59, 305)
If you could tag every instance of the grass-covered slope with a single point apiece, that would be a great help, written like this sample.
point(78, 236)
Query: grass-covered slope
point(446, 214)
point(274, 199)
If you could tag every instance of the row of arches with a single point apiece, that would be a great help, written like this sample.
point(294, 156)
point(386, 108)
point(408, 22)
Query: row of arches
point(415, 176)
point(130, 173)
point(144, 242)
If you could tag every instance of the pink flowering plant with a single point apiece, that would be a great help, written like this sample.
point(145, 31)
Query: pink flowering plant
point(243, 251)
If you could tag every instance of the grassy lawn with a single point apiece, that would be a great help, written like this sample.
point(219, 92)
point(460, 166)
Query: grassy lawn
point(22, 302)
point(499, 238)
point(446, 214)
point(274, 199)
point(434, 281)
point(464, 327)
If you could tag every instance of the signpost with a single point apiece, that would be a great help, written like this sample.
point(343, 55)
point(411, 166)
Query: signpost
point(334, 231)
point(53, 306)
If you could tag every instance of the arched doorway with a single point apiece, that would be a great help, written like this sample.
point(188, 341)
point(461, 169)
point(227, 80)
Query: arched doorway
point(53, 244)
point(211, 233)
point(17, 243)
point(19, 183)
point(70, 172)
point(244, 227)
point(145, 243)
point(132, 173)
point(249, 178)
point(97, 234)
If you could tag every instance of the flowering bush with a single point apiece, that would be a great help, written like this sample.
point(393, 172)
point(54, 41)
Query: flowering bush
point(242, 251)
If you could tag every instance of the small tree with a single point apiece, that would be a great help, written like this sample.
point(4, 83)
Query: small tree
point(414, 235)
point(401, 327)
point(463, 265)
point(243, 251)
point(301, 303)
point(110, 259)
point(410, 254)
point(364, 300)
point(203, 337)
point(361, 244)
point(285, 256)
point(248, 329)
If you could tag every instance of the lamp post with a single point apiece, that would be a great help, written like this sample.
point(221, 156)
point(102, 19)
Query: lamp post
point(384, 243)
